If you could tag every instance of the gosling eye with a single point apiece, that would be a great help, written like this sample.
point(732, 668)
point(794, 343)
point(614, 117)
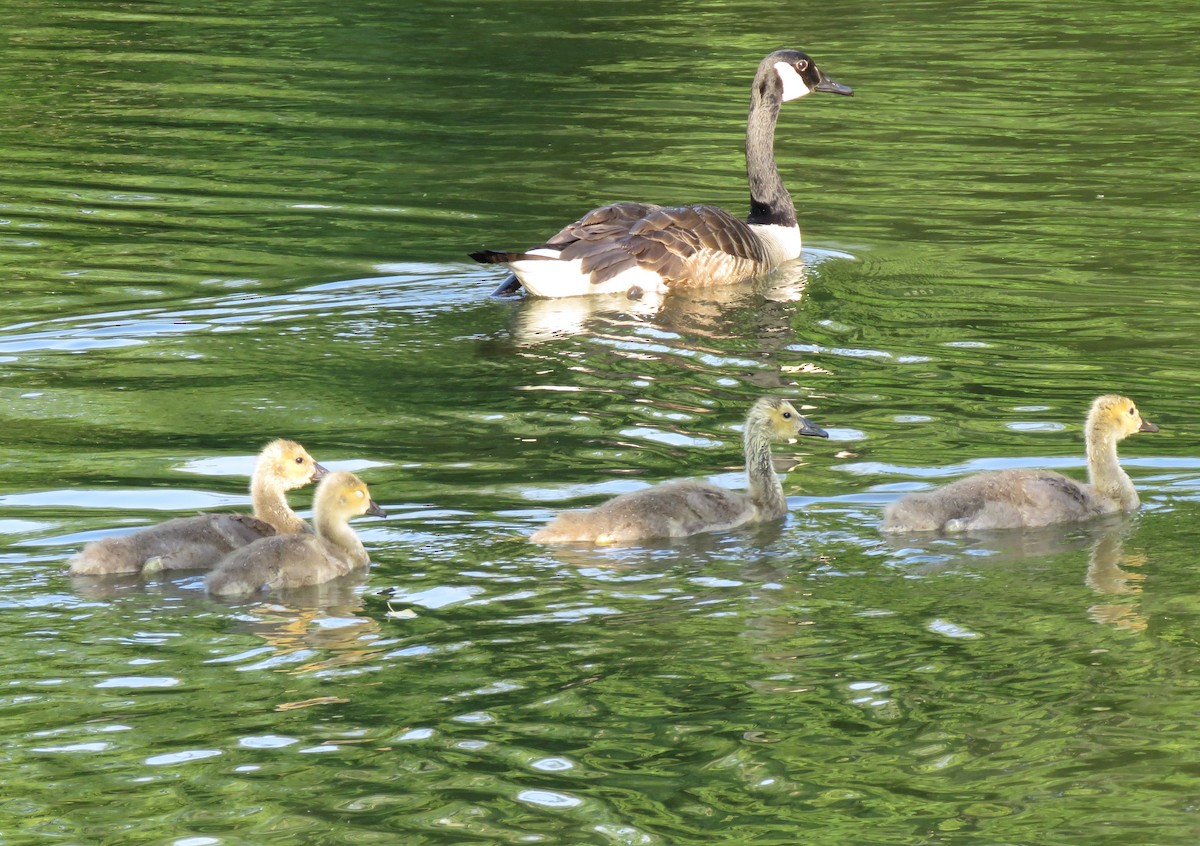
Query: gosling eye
point(1132, 411)
point(787, 415)
point(299, 459)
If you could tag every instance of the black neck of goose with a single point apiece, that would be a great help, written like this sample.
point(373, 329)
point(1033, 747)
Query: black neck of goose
point(770, 203)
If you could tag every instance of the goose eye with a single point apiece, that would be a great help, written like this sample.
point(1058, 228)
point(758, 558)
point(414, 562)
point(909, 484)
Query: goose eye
point(802, 65)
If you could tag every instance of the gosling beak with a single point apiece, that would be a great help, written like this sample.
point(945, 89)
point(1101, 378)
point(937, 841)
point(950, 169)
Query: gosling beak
point(375, 511)
point(828, 85)
point(1147, 426)
point(318, 473)
point(807, 427)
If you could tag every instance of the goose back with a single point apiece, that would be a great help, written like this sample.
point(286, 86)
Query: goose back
point(688, 245)
point(671, 510)
point(280, 563)
point(185, 543)
point(1006, 499)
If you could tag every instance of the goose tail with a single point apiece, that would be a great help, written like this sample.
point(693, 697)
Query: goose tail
point(511, 283)
point(502, 257)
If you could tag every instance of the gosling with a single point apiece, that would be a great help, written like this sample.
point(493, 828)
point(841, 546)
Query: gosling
point(679, 509)
point(197, 543)
point(1012, 499)
point(291, 561)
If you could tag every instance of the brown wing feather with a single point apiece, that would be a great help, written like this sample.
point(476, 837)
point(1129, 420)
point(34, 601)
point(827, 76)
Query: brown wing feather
point(686, 245)
point(611, 221)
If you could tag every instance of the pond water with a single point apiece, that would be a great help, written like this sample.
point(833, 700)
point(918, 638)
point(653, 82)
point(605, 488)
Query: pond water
point(224, 223)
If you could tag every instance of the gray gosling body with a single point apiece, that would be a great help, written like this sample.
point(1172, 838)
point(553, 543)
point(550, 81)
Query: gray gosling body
point(639, 247)
point(298, 560)
point(679, 509)
point(197, 543)
point(1010, 499)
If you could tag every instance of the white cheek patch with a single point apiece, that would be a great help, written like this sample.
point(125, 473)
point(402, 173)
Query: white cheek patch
point(793, 85)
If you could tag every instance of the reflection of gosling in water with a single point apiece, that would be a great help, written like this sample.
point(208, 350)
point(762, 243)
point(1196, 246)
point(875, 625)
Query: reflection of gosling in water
point(291, 561)
point(197, 543)
point(1104, 575)
point(1011, 499)
point(678, 509)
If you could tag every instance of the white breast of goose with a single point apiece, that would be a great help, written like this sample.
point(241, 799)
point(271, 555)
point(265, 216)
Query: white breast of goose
point(782, 242)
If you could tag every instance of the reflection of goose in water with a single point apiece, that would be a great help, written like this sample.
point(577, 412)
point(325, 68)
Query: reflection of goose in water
point(679, 509)
point(536, 321)
point(1103, 538)
point(695, 311)
point(120, 585)
point(637, 246)
point(1104, 575)
point(1010, 499)
point(193, 543)
point(307, 629)
point(927, 553)
point(311, 629)
point(751, 544)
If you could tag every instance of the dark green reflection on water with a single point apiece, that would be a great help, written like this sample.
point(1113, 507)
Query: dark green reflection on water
point(222, 224)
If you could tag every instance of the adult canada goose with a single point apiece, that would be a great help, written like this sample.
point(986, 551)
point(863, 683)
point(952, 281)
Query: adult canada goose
point(1010, 499)
point(290, 561)
point(196, 543)
point(632, 247)
point(679, 509)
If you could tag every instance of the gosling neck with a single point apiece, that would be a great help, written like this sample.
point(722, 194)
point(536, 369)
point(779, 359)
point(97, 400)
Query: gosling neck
point(1104, 470)
point(335, 530)
point(766, 492)
point(770, 203)
point(271, 506)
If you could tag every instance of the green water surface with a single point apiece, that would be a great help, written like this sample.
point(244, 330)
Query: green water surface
point(226, 222)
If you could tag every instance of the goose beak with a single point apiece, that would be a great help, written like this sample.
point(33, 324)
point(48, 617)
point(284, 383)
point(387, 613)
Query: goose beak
point(1147, 426)
point(829, 86)
point(375, 511)
point(319, 472)
point(807, 427)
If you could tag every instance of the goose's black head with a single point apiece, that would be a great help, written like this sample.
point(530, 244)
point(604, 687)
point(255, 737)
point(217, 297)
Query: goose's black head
point(798, 75)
